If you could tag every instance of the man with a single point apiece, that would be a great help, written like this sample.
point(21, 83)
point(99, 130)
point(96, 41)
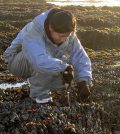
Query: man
point(46, 48)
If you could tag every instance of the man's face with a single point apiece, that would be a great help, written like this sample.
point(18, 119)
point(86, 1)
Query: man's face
point(58, 38)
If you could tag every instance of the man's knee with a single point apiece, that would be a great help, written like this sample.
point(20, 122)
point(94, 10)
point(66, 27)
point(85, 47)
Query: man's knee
point(19, 66)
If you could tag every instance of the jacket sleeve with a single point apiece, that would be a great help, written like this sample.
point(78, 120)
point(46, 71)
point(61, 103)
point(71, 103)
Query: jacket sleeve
point(35, 51)
point(80, 61)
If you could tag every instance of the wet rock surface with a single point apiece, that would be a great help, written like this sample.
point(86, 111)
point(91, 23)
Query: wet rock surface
point(19, 114)
point(99, 115)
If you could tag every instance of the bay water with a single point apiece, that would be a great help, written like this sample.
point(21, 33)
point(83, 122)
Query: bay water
point(96, 3)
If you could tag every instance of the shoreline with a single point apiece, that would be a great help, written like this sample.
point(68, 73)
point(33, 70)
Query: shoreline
point(85, 4)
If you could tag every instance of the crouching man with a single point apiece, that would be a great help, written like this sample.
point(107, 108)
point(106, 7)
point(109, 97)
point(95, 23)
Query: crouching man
point(46, 48)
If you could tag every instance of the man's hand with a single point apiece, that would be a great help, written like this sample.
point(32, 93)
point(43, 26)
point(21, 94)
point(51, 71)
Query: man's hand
point(68, 74)
point(83, 91)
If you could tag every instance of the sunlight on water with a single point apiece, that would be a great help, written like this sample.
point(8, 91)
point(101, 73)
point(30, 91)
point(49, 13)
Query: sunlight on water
point(7, 85)
point(96, 3)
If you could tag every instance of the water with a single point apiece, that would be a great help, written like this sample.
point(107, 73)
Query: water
point(95, 3)
point(9, 85)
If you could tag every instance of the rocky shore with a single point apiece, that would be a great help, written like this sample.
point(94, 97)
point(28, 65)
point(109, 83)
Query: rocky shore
point(98, 29)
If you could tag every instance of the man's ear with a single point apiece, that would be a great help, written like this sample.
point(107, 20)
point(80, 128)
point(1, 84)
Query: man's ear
point(50, 28)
